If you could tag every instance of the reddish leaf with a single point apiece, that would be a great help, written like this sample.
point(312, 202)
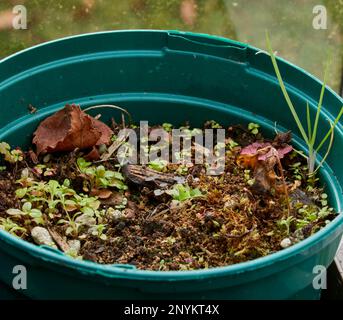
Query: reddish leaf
point(256, 148)
point(262, 157)
point(106, 132)
point(252, 149)
point(93, 155)
point(69, 129)
point(33, 157)
point(281, 152)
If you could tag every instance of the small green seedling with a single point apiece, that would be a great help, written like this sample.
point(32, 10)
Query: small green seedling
point(98, 231)
point(247, 177)
point(312, 213)
point(8, 225)
point(231, 144)
point(73, 228)
point(11, 156)
point(168, 127)
point(298, 171)
point(182, 192)
point(158, 165)
point(253, 128)
point(27, 210)
point(182, 170)
point(214, 125)
point(286, 224)
point(99, 177)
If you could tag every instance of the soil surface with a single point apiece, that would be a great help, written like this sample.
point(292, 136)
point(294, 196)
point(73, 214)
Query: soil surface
point(166, 216)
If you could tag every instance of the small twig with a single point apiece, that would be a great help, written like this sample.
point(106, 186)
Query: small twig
point(123, 121)
point(59, 240)
point(284, 183)
point(112, 106)
point(113, 123)
point(154, 213)
point(101, 161)
point(113, 147)
point(276, 155)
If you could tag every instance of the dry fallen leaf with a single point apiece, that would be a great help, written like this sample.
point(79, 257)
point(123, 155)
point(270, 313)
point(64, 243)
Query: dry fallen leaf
point(256, 148)
point(262, 158)
point(70, 129)
point(264, 175)
point(101, 193)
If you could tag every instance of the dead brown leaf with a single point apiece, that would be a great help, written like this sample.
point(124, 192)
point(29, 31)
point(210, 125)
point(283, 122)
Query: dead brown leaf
point(70, 129)
point(101, 193)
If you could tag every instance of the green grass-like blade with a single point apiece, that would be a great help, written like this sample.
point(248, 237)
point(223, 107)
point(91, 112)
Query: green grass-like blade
point(284, 91)
point(308, 118)
point(331, 129)
point(320, 103)
point(331, 132)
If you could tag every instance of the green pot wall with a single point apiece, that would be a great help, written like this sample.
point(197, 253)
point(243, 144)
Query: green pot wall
point(164, 76)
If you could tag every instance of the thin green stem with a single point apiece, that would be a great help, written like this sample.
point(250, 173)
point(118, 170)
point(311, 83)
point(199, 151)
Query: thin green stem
point(328, 149)
point(284, 91)
point(308, 117)
point(329, 132)
point(320, 103)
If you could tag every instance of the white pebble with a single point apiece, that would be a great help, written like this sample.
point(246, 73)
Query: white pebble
point(285, 243)
point(42, 236)
point(115, 214)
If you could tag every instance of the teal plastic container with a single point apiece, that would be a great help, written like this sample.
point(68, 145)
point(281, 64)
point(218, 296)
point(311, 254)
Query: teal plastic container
point(164, 76)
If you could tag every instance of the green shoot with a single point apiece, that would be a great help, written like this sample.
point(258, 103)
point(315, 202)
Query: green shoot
point(253, 128)
point(99, 177)
point(158, 165)
point(27, 210)
point(286, 224)
point(231, 144)
point(213, 124)
point(11, 156)
point(8, 225)
point(183, 192)
point(311, 136)
point(168, 127)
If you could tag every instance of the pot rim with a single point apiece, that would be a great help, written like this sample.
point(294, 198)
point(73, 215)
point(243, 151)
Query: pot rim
point(117, 270)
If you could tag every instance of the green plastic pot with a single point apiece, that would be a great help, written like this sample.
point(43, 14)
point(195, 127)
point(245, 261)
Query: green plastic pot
point(166, 76)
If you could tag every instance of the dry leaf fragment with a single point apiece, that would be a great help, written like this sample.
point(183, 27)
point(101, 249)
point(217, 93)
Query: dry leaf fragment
point(70, 129)
point(101, 193)
point(262, 158)
point(256, 149)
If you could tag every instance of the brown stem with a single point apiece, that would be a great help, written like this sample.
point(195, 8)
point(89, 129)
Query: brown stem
point(284, 184)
